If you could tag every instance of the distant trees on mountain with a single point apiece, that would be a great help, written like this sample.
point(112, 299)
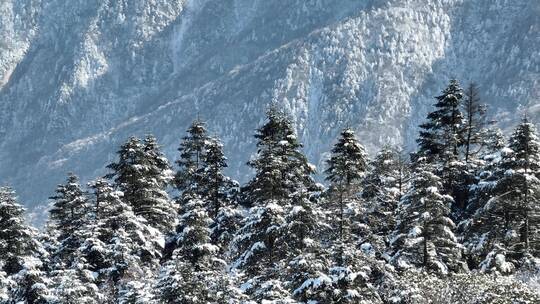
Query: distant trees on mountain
point(438, 227)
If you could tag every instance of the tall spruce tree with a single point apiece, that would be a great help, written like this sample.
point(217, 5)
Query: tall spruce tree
point(216, 186)
point(281, 168)
point(346, 169)
point(142, 173)
point(442, 135)
point(17, 239)
point(383, 187)
point(192, 153)
point(282, 179)
point(68, 214)
point(200, 174)
point(424, 232)
point(441, 138)
point(195, 274)
point(21, 255)
point(503, 232)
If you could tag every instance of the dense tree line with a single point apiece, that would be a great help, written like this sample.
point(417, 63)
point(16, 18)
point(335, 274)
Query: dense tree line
point(456, 222)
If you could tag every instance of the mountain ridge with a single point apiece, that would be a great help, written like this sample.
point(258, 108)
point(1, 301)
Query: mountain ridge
point(373, 66)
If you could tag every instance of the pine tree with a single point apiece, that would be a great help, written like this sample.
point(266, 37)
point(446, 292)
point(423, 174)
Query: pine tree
point(131, 248)
point(424, 232)
point(282, 182)
point(216, 186)
point(522, 183)
point(383, 187)
point(440, 141)
point(142, 173)
point(346, 169)
point(31, 284)
point(67, 215)
point(504, 230)
point(20, 254)
point(195, 273)
point(76, 284)
point(17, 239)
point(192, 153)
point(281, 168)
point(442, 135)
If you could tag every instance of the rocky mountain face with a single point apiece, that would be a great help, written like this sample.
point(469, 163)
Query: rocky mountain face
point(78, 77)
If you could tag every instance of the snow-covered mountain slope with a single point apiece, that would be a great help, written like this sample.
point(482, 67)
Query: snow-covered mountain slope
point(78, 77)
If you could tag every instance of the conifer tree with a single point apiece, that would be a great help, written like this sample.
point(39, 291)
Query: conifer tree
point(424, 232)
point(504, 230)
point(383, 187)
point(521, 180)
point(192, 153)
point(442, 135)
point(131, 248)
point(20, 254)
point(142, 173)
point(346, 169)
point(281, 168)
point(282, 180)
point(194, 274)
point(67, 216)
point(17, 239)
point(215, 185)
point(440, 141)
point(76, 284)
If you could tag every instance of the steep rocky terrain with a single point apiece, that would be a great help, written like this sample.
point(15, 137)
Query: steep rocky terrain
point(78, 77)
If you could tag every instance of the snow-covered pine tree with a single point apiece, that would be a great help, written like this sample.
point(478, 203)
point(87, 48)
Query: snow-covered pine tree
point(142, 173)
point(383, 187)
point(194, 275)
point(522, 183)
point(281, 168)
point(17, 239)
point(21, 254)
point(192, 150)
point(282, 180)
point(215, 185)
point(31, 284)
point(5, 283)
point(423, 235)
point(442, 134)
point(440, 141)
point(67, 215)
point(200, 174)
point(346, 169)
point(76, 284)
point(505, 229)
point(131, 248)
point(487, 163)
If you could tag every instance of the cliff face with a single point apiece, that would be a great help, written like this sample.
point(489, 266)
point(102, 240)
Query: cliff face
point(78, 77)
